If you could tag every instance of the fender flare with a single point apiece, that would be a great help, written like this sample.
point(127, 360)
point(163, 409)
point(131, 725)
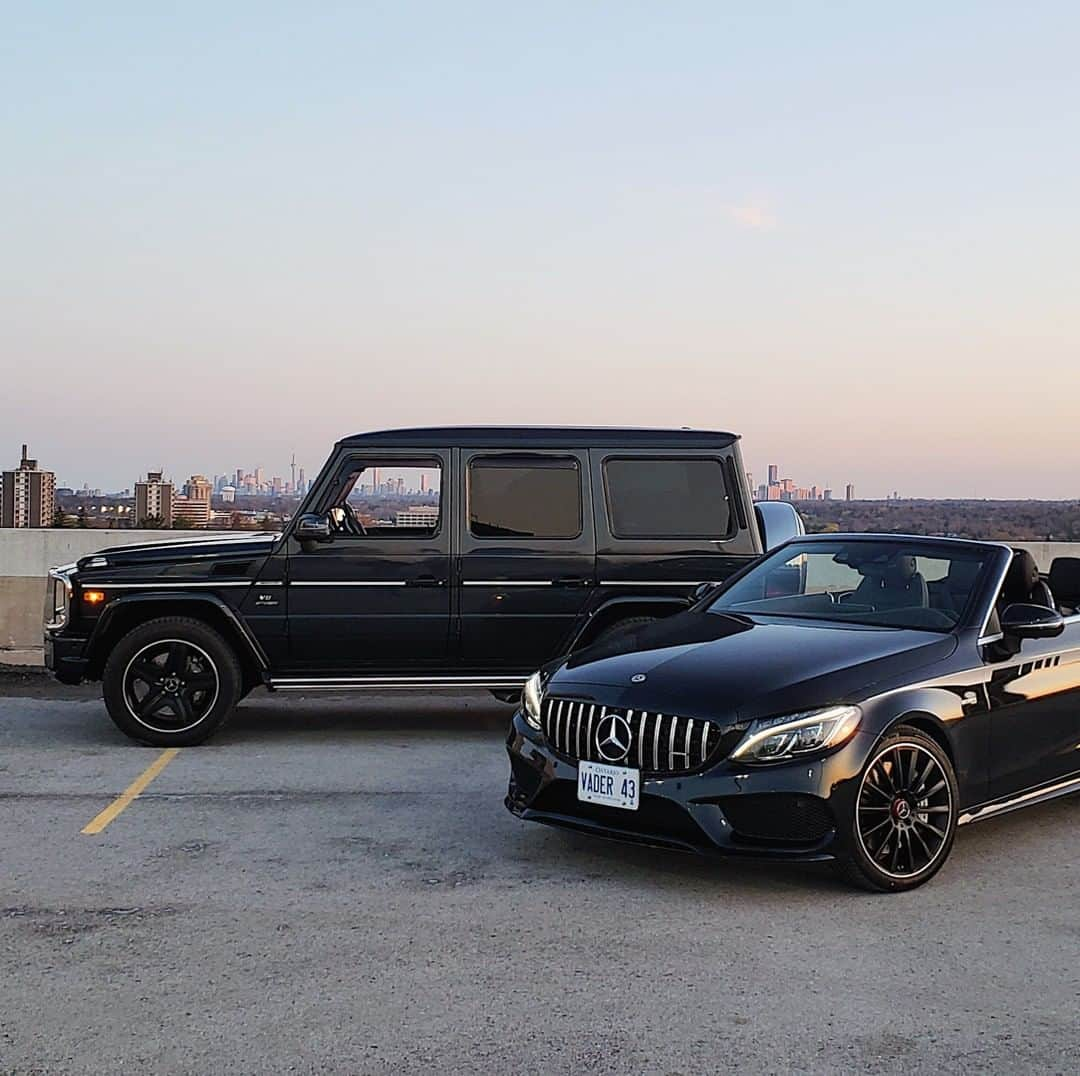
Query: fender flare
point(671, 603)
point(156, 597)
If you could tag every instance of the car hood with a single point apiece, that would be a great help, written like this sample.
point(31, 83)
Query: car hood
point(202, 548)
point(738, 667)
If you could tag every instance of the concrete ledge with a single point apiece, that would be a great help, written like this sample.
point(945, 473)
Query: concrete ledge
point(25, 559)
point(27, 555)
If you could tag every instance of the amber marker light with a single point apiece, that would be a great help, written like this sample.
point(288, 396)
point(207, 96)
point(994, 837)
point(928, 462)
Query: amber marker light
point(93, 597)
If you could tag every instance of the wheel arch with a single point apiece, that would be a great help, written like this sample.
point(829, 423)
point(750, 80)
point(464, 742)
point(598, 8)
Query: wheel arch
point(616, 609)
point(126, 613)
point(930, 725)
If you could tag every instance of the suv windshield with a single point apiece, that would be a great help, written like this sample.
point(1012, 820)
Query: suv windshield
point(893, 583)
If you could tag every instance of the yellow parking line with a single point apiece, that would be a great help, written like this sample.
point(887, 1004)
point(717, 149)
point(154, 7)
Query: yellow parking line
point(126, 797)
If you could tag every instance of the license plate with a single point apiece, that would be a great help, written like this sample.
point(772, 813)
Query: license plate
point(613, 786)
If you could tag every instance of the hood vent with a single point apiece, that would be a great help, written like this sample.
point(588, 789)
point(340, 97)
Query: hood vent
point(232, 567)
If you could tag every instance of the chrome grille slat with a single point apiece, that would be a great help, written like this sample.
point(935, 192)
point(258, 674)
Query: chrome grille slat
point(660, 743)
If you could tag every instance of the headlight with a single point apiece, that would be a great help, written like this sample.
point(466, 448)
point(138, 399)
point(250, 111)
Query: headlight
point(530, 700)
point(775, 738)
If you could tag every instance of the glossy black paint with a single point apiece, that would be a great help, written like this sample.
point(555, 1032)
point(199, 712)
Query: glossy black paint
point(296, 607)
point(1005, 708)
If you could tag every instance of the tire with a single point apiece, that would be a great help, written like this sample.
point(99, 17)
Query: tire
point(171, 682)
point(621, 626)
point(903, 817)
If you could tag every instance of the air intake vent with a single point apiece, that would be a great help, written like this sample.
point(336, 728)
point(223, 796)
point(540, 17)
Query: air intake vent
point(232, 567)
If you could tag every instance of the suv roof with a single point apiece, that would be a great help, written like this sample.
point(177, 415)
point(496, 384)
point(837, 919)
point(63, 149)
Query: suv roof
point(601, 436)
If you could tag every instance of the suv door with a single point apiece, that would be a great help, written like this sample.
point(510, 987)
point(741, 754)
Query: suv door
point(375, 600)
point(527, 562)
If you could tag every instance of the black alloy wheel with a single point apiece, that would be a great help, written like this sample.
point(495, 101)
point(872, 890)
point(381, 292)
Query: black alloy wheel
point(170, 685)
point(905, 814)
point(171, 682)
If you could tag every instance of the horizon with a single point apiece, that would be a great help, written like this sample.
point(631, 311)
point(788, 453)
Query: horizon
point(848, 236)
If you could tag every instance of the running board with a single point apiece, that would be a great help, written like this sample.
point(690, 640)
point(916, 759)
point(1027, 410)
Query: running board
point(1028, 799)
point(397, 683)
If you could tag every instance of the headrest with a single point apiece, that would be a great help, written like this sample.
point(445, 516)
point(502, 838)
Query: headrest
point(902, 569)
point(962, 573)
point(1022, 575)
point(1065, 576)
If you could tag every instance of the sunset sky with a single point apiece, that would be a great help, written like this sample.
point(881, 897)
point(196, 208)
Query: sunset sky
point(850, 232)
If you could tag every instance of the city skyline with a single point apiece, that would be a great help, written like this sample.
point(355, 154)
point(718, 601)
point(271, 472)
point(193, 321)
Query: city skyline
point(775, 485)
point(839, 233)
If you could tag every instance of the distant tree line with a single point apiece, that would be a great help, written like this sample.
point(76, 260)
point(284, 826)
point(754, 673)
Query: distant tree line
point(1020, 521)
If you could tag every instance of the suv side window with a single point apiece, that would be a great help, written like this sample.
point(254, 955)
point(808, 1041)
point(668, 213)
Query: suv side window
point(678, 497)
point(388, 498)
point(524, 497)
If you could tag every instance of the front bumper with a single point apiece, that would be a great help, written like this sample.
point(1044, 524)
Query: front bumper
point(65, 657)
point(788, 811)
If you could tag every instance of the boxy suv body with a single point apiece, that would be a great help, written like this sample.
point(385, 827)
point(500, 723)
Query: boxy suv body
point(426, 558)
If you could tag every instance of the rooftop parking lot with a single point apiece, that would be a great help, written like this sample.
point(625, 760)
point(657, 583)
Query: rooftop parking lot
point(333, 884)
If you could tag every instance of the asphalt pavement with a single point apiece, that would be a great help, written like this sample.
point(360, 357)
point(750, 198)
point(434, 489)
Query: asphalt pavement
point(333, 885)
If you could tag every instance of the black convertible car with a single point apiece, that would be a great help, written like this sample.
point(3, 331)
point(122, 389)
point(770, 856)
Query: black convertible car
point(846, 698)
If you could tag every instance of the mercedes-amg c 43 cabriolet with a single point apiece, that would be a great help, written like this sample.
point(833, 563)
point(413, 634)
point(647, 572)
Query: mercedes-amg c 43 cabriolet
point(846, 698)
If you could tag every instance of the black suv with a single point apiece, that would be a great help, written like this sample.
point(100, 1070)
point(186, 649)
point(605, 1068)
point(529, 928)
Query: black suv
point(424, 558)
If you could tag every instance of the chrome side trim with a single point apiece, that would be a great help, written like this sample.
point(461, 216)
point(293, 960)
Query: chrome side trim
point(350, 583)
point(359, 683)
point(986, 640)
point(1036, 795)
point(508, 583)
point(654, 582)
point(95, 585)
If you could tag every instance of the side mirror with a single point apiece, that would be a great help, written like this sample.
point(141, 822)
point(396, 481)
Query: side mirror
point(1022, 621)
point(702, 590)
point(778, 522)
point(313, 528)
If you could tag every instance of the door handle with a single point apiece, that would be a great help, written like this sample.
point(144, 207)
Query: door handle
point(426, 581)
point(571, 581)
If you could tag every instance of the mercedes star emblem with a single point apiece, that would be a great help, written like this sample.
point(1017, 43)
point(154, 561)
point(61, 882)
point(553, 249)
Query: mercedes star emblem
point(613, 738)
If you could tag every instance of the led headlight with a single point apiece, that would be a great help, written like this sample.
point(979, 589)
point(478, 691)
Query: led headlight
point(775, 738)
point(530, 700)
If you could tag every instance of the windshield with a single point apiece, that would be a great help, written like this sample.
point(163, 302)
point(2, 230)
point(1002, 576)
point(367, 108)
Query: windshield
point(892, 583)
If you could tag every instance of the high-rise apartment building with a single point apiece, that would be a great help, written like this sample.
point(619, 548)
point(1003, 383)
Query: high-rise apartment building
point(28, 496)
point(154, 499)
point(198, 488)
point(194, 506)
point(849, 492)
point(774, 473)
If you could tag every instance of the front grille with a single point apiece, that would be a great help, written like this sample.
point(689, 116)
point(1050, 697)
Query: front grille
point(57, 599)
point(778, 816)
point(659, 743)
